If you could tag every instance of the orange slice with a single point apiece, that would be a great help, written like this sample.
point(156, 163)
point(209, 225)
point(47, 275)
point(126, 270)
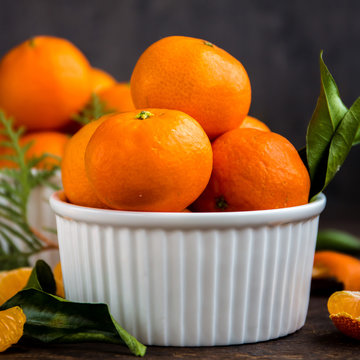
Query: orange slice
point(59, 280)
point(11, 327)
point(344, 309)
point(12, 282)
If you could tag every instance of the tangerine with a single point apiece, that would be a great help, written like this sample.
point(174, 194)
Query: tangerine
point(100, 79)
point(77, 187)
point(196, 77)
point(254, 170)
point(42, 143)
point(149, 160)
point(254, 123)
point(43, 82)
point(117, 97)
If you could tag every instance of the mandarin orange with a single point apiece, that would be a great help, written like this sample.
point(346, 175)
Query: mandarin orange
point(117, 98)
point(254, 170)
point(77, 187)
point(149, 160)
point(42, 143)
point(254, 123)
point(43, 82)
point(196, 77)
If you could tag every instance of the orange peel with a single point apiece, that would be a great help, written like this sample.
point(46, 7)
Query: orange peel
point(344, 268)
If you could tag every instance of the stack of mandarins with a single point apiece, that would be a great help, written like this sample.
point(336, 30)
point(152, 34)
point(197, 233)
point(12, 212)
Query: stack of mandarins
point(178, 136)
point(44, 82)
point(190, 143)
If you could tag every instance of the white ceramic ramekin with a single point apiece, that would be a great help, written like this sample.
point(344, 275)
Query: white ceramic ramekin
point(192, 279)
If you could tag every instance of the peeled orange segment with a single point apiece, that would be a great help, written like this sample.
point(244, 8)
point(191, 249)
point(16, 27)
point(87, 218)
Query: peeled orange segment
point(59, 280)
point(11, 326)
point(345, 302)
point(12, 282)
point(344, 309)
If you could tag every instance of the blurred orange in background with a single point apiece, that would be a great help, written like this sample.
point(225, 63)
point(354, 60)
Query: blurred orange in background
point(117, 97)
point(43, 82)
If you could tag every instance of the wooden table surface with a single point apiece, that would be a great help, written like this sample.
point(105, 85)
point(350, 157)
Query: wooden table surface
point(318, 339)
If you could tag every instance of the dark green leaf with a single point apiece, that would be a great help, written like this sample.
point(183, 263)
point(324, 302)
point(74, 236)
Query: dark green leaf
point(328, 113)
point(337, 240)
point(52, 319)
point(342, 141)
point(331, 133)
point(42, 278)
point(93, 110)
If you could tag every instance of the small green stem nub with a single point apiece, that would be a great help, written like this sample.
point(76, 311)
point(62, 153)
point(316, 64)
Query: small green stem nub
point(208, 43)
point(221, 203)
point(142, 115)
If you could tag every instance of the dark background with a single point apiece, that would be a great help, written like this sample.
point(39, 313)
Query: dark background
point(277, 42)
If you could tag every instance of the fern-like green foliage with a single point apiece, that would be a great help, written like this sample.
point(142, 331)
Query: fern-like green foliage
point(18, 241)
point(93, 110)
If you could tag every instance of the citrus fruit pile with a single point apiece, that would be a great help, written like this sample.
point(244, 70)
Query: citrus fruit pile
point(189, 144)
point(177, 137)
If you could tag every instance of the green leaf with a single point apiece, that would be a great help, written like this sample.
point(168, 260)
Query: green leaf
point(331, 133)
point(328, 113)
point(93, 110)
point(42, 278)
point(342, 141)
point(11, 260)
point(337, 240)
point(51, 319)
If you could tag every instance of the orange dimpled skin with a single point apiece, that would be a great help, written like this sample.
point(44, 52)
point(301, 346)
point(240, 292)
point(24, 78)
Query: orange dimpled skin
point(254, 170)
point(196, 77)
point(43, 82)
point(117, 98)
point(149, 160)
point(77, 187)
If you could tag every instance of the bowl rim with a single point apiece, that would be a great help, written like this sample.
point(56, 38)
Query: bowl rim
point(186, 220)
